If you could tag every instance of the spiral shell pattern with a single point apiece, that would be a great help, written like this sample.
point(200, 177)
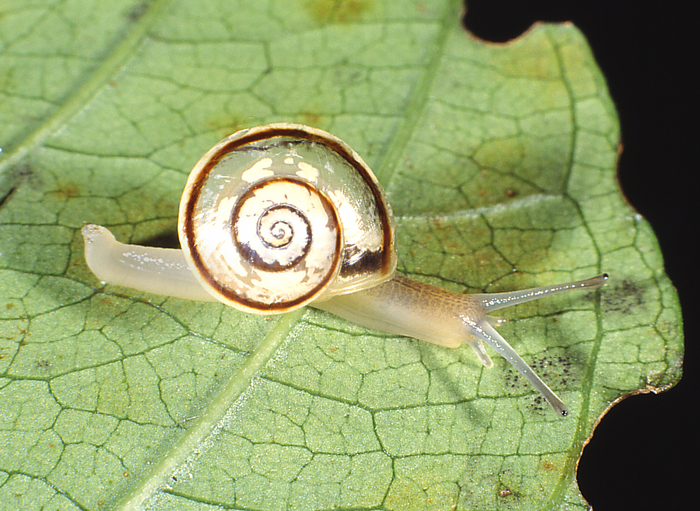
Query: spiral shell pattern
point(289, 237)
point(277, 216)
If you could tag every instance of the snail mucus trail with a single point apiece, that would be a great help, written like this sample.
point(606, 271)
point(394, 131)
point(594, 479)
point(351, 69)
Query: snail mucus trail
point(280, 216)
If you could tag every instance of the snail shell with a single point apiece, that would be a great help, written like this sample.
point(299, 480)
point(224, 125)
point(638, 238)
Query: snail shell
point(277, 216)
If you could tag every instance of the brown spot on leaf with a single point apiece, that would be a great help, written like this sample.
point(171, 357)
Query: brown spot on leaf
point(310, 119)
point(337, 11)
point(225, 125)
point(66, 191)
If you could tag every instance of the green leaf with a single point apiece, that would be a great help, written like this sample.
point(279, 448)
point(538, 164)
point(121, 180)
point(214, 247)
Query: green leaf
point(499, 161)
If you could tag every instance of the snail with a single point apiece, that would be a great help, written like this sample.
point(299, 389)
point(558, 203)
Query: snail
point(280, 216)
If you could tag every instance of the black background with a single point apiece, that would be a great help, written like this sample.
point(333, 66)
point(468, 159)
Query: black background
point(643, 452)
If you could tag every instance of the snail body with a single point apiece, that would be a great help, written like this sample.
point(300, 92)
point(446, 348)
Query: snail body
point(281, 216)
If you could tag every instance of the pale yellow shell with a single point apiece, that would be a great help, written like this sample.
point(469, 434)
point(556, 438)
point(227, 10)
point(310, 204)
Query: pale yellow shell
point(277, 216)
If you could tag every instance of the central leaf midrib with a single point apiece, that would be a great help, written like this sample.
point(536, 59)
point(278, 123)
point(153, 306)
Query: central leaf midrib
point(188, 447)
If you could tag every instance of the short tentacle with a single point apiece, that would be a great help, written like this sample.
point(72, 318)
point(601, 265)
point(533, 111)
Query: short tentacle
point(478, 346)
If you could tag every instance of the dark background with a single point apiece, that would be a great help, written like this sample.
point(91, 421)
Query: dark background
point(643, 452)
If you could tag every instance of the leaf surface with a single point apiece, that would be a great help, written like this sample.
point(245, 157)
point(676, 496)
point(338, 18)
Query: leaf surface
point(499, 162)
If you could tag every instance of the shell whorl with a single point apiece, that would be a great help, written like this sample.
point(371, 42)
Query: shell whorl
point(280, 215)
point(282, 222)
